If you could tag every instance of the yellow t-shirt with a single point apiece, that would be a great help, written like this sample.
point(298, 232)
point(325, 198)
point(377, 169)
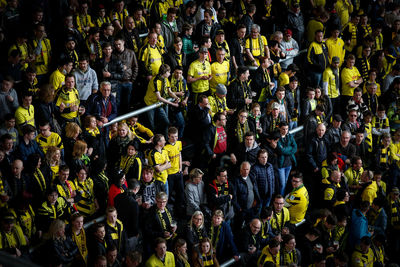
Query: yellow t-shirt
point(69, 98)
point(198, 69)
point(255, 46)
point(45, 142)
point(24, 116)
point(335, 49)
point(298, 201)
point(174, 153)
point(159, 158)
point(152, 59)
point(347, 76)
point(220, 74)
point(329, 83)
point(42, 60)
point(156, 85)
point(57, 79)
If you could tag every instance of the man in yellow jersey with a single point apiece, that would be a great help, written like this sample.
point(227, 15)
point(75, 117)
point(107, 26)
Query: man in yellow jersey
point(25, 113)
point(281, 217)
point(335, 46)
point(57, 78)
point(175, 173)
point(150, 57)
point(217, 101)
point(297, 201)
point(199, 74)
point(159, 90)
point(158, 158)
point(270, 254)
point(40, 47)
point(331, 83)
point(219, 70)
point(256, 46)
point(67, 102)
point(351, 79)
point(47, 138)
point(118, 15)
point(363, 256)
point(317, 58)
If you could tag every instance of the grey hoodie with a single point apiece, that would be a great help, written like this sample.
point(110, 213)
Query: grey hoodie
point(85, 82)
point(7, 106)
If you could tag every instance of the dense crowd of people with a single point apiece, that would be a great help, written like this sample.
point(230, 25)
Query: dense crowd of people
point(214, 173)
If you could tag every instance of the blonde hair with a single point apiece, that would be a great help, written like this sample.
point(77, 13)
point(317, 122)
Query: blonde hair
point(195, 214)
point(51, 150)
point(55, 226)
point(124, 125)
point(219, 213)
point(79, 149)
point(72, 129)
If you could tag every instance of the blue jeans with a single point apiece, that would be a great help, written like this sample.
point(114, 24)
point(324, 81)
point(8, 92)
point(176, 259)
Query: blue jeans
point(283, 178)
point(124, 94)
point(179, 123)
point(315, 78)
point(292, 125)
point(161, 116)
point(166, 188)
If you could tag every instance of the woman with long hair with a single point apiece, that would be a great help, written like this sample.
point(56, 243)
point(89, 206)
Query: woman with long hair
point(72, 133)
point(131, 163)
point(195, 231)
point(79, 156)
point(45, 107)
point(206, 255)
point(180, 252)
point(118, 144)
point(52, 163)
point(60, 248)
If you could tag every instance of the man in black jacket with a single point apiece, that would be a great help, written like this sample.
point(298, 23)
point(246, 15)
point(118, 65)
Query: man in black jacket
point(110, 68)
point(239, 92)
point(246, 199)
point(128, 212)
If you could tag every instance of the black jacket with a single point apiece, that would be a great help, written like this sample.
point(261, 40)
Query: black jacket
point(128, 212)
point(237, 93)
point(170, 58)
point(317, 151)
point(241, 193)
point(259, 82)
point(114, 67)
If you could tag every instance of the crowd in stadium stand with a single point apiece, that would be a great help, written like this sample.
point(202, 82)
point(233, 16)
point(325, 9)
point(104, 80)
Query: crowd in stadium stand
point(277, 144)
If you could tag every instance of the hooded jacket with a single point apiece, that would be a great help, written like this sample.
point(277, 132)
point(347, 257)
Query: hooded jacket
point(86, 82)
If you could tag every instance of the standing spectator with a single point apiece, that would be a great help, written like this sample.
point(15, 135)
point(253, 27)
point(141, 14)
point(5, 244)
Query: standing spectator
point(335, 46)
point(351, 79)
point(131, 35)
point(295, 21)
point(159, 90)
point(128, 212)
point(9, 128)
point(8, 97)
point(102, 105)
point(290, 47)
point(256, 46)
point(359, 224)
point(239, 93)
point(297, 201)
point(262, 174)
point(199, 75)
point(25, 113)
point(169, 28)
point(115, 232)
point(220, 194)
point(161, 255)
point(68, 102)
point(238, 47)
point(110, 68)
point(40, 47)
point(331, 83)
point(57, 78)
point(317, 58)
point(27, 144)
point(86, 79)
point(287, 147)
point(131, 69)
point(247, 200)
point(194, 192)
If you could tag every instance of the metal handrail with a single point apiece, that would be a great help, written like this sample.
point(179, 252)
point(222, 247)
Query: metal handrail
point(135, 113)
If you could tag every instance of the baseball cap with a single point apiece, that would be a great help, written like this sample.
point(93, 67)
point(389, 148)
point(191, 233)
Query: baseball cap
point(335, 60)
point(221, 89)
point(275, 105)
point(337, 118)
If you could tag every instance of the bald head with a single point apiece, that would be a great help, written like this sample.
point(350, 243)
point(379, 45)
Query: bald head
point(17, 167)
point(255, 226)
